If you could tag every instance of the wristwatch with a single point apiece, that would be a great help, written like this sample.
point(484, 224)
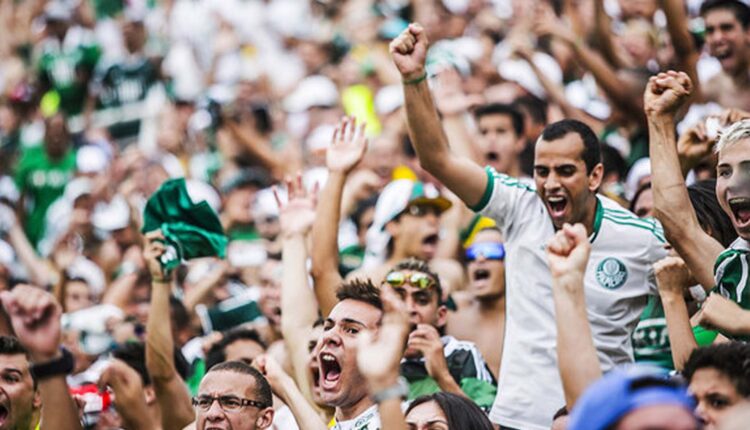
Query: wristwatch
point(59, 366)
point(400, 389)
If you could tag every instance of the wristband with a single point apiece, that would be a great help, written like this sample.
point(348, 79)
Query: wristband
point(415, 80)
point(400, 389)
point(58, 366)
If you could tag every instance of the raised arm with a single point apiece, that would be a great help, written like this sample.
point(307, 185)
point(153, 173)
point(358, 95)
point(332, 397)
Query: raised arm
point(35, 317)
point(379, 356)
point(461, 175)
point(126, 384)
point(299, 308)
point(171, 392)
point(682, 41)
point(346, 151)
point(603, 34)
point(664, 95)
point(672, 277)
point(568, 255)
point(285, 388)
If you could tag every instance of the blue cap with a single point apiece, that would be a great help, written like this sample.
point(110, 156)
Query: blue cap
point(622, 391)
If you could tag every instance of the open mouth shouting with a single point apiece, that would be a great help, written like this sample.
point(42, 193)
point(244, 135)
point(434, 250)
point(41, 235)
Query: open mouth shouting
point(4, 413)
point(429, 244)
point(558, 207)
point(740, 207)
point(330, 371)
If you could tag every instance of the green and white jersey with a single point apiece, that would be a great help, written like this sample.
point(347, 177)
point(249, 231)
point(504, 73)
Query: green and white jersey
point(619, 278)
point(732, 275)
point(465, 364)
point(124, 84)
point(367, 420)
point(64, 67)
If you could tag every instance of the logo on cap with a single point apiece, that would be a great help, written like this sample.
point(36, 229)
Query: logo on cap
point(611, 273)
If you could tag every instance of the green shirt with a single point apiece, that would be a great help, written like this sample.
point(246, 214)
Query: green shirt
point(42, 180)
point(65, 71)
point(732, 276)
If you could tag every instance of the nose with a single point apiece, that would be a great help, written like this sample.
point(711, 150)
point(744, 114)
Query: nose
point(330, 337)
point(214, 412)
point(700, 412)
point(551, 182)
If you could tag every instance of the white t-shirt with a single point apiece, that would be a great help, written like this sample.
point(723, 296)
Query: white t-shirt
point(618, 280)
point(367, 420)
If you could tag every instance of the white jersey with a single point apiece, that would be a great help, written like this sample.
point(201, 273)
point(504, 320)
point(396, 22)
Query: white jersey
point(618, 280)
point(367, 420)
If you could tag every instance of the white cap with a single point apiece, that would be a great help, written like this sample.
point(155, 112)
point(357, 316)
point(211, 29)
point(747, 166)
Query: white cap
point(87, 270)
point(638, 171)
point(112, 216)
point(76, 188)
point(388, 99)
point(312, 91)
point(200, 191)
point(91, 159)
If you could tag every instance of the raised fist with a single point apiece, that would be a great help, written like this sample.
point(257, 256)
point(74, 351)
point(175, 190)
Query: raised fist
point(35, 316)
point(666, 93)
point(409, 52)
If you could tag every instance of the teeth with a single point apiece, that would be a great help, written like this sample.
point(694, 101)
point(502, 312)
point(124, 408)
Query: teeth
point(327, 357)
point(556, 199)
point(739, 201)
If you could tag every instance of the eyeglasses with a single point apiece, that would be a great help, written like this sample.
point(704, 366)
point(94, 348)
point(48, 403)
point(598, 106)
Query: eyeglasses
point(227, 403)
point(422, 210)
point(417, 279)
point(488, 250)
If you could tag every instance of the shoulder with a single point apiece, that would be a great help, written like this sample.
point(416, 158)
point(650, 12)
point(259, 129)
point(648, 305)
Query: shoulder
point(622, 220)
point(732, 259)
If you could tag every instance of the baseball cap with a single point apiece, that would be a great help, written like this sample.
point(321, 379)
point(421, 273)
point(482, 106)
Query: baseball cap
point(398, 195)
point(622, 391)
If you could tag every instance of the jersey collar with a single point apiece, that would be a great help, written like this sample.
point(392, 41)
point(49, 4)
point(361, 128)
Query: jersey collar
point(597, 220)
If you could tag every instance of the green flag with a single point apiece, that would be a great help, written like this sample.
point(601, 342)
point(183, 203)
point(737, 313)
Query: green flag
point(191, 230)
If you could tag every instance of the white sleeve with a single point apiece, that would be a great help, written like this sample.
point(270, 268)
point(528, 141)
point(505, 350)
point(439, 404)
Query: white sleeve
point(505, 199)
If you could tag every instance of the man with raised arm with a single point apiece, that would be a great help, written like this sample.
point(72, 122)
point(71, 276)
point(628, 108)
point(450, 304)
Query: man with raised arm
point(726, 270)
point(567, 174)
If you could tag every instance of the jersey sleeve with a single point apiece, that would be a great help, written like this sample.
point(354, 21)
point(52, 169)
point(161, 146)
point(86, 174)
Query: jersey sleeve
point(732, 276)
point(505, 199)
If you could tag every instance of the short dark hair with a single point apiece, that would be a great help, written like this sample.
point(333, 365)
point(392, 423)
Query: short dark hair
point(361, 290)
point(134, 355)
point(262, 387)
point(10, 345)
point(731, 359)
point(533, 106)
point(179, 313)
point(516, 117)
point(217, 353)
point(417, 265)
point(592, 152)
point(460, 412)
point(740, 10)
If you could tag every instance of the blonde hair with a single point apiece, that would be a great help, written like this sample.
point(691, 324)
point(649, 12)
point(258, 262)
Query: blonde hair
point(736, 132)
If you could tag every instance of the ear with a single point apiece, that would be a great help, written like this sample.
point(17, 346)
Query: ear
point(149, 395)
point(36, 401)
point(442, 315)
point(595, 177)
point(265, 418)
point(392, 227)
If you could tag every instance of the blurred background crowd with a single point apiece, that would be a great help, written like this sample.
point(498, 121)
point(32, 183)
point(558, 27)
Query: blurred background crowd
point(102, 101)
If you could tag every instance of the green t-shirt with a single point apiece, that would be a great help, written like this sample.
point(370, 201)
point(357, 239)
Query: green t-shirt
point(41, 181)
point(64, 69)
point(651, 338)
point(122, 84)
point(732, 277)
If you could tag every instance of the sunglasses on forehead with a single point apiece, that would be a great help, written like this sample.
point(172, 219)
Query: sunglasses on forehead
point(488, 251)
point(416, 279)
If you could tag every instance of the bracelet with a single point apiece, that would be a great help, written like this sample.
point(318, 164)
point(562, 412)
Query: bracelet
point(415, 80)
point(58, 366)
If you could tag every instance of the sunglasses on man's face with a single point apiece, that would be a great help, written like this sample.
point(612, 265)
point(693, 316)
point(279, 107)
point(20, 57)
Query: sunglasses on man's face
point(488, 251)
point(422, 210)
point(416, 279)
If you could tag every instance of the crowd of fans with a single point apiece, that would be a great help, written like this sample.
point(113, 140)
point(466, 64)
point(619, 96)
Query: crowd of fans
point(375, 214)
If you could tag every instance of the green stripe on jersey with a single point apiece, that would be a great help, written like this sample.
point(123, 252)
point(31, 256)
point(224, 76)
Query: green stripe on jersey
point(488, 189)
point(658, 234)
